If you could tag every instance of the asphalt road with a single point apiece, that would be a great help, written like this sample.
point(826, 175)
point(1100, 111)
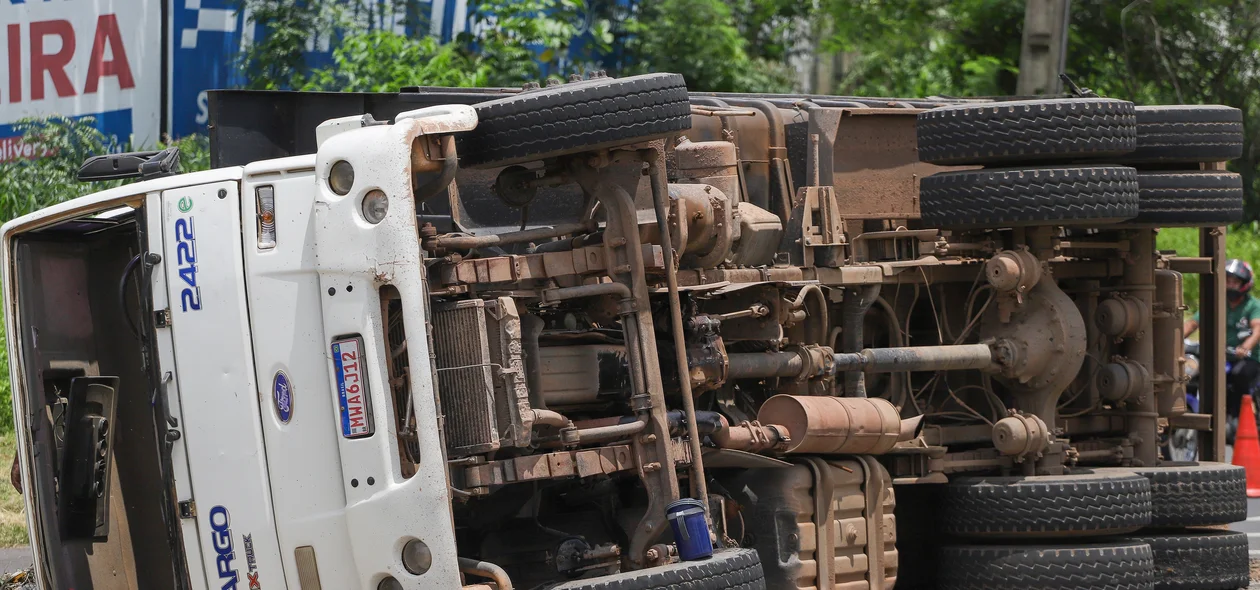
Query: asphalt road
point(19, 558)
point(1251, 526)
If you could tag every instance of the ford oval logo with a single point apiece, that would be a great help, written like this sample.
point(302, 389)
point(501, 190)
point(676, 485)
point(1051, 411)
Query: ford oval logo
point(282, 395)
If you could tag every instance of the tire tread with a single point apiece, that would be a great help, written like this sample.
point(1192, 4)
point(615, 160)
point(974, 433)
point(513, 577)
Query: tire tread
point(1196, 494)
point(1028, 130)
point(1063, 195)
point(576, 117)
point(1118, 566)
point(733, 569)
point(1046, 506)
point(1187, 133)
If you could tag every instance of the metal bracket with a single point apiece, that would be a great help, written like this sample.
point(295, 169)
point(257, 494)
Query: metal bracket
point(162, 318)
point(188, 509)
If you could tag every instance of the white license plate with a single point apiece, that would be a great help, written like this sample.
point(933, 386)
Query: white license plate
point(352, 388)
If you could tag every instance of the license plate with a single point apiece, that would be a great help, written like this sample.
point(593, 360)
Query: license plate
point(352, 388)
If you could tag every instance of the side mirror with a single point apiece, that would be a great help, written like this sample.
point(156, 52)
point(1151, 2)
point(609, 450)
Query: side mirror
point(142, 165)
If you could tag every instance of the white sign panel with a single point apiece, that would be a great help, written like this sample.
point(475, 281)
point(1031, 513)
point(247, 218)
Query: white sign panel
point(98, 58)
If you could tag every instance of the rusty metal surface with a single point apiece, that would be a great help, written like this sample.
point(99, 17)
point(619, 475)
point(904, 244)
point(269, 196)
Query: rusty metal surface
point(918, 358)
point(1139, 276)
point(1170, 348)
point(587, 260)
point(870, 157)
point(835, 425)
point(580, 463)
point(458, 242)
point(648, 399)
point(1212, 338)
point(441, 119)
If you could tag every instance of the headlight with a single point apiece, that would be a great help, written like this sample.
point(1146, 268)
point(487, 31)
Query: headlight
point(341, 177)
point(375, 206)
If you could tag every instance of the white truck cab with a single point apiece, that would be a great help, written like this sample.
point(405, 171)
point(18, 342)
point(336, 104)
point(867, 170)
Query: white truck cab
point(199, 372)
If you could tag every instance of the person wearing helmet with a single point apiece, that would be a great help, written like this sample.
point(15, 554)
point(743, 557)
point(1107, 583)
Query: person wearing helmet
point(1242, 333)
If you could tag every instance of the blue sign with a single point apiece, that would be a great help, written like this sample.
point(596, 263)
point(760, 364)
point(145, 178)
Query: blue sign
point(205, 40)
point(282, 395)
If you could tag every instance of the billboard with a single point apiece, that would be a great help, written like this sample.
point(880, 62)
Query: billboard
point(206, 36)
point(98, 58)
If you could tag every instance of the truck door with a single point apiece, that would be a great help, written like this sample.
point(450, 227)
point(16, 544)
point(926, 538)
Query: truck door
point(217, 393)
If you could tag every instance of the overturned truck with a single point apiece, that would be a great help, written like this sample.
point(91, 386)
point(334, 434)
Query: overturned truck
point(612, 334)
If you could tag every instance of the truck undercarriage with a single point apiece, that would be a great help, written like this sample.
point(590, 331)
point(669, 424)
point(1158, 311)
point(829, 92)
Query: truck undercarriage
point(928, 343)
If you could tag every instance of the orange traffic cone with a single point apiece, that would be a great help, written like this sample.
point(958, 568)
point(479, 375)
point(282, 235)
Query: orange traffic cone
point(1247, 447)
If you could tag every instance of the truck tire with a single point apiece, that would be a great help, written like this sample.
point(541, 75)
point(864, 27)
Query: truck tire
point(1189, 199)
point(728, 568)
point(1051, 195)
point(1026, 130)
point(575, 117)
point(1187, 133)
point(1125, 565)
point(1196, 494)
point(1199, 560)
point(1046, 506)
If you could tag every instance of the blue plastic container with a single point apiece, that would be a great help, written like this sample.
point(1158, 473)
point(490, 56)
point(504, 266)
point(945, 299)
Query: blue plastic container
point(691, 531)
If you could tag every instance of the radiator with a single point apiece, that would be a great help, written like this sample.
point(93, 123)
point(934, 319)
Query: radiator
point(461, 345)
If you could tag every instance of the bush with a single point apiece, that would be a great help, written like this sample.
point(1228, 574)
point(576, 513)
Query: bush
point(700, 40)
point(358, 67)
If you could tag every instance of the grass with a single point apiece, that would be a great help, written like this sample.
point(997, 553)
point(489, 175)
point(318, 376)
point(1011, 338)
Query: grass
point(12, 510)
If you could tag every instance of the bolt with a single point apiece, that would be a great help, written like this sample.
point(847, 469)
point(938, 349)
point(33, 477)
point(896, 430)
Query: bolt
point(648, 439)
point(652, 467)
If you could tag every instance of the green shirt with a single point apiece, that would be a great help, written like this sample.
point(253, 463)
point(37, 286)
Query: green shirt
point(1238, 321)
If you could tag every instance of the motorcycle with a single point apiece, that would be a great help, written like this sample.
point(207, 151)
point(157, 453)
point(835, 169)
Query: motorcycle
point(1182, 443)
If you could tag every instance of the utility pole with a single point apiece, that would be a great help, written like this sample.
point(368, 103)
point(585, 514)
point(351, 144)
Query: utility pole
point(1043, 54)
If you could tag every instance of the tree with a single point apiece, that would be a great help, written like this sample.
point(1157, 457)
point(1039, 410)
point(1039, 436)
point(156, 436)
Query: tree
point(277, 60)
point(358, 67)
point(1170, 52)
point(511, 42)
point(700, 40)
point(528, 40)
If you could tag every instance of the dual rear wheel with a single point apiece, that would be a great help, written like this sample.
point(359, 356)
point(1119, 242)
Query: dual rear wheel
point(1107, 528)
point(1079, 162)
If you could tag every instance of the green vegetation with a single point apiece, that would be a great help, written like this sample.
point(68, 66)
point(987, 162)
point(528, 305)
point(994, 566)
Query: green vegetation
point(515, 41)
point(700, 40)
point(1241, 241)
